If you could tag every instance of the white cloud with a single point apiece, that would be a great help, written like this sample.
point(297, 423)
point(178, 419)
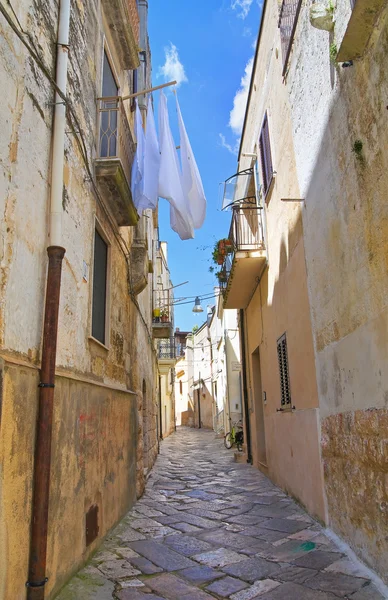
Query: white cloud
point(237, 114)
point(173, 68)
point(229, 147)
point(243, 6)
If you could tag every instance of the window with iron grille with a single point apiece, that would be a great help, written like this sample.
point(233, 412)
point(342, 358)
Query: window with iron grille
point(100, 271)
point(285, 389)
point(266, 157)
point(288, 19)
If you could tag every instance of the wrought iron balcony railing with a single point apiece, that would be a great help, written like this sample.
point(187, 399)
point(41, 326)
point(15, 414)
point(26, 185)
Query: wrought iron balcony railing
point(246, 229)
point(115, 154)
point(246, 235)
point(115, 137)
point(162, 306)
point(166, 349)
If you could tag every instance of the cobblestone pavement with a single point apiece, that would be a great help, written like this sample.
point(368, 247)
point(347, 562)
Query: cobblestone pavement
point(207, 527)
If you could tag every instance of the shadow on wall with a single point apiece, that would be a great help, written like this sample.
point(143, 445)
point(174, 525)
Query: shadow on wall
point(346, 240)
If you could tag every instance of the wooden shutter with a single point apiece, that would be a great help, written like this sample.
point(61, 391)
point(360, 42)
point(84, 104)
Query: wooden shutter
point(285, 389)
point(266, 157)
point(99, 288)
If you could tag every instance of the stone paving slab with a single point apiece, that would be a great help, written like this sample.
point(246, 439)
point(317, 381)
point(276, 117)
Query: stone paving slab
point(207, 527)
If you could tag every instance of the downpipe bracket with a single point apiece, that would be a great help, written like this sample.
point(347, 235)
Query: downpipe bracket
point(37, 584)
point(46, 385)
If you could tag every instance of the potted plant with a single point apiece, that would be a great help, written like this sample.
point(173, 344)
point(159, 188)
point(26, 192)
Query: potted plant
point(225, 246)
point(221, 276)
point(156, 315)
point(221, 249)
point(164, 315)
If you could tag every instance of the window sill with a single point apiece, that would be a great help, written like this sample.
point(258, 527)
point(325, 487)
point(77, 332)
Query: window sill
point(286, 409)
point(92, 340)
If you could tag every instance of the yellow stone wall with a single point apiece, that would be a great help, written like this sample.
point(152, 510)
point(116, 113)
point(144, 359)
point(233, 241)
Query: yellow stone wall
point(98, 406)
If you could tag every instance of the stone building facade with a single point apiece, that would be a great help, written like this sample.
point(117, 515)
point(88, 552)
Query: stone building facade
point(309, 271)
point(225, 366)
point(163, 324)
point(337, 84)
point(267, 283)
point(106, 386)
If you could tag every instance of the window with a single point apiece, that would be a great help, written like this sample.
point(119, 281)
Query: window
point(266, 157)
point(100, 271)
point(108, 124)
point(288, 19)
point(285, 389)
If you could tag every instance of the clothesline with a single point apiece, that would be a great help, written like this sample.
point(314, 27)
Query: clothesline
point(157, 171)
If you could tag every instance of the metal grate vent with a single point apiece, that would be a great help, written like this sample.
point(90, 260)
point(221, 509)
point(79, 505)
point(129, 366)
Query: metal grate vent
point(285, 389)
point(91, 524)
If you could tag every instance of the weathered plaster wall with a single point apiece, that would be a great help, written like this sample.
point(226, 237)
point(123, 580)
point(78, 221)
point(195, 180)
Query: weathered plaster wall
point(168, 403)
point(202, 373)
point(89, 466)
point(345, 221)
point(98, 419)
point(280, 303)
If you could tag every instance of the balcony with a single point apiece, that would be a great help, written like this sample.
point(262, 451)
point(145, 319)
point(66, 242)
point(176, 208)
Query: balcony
point(166, 354)
point(122, 21)
point(115, 154)
point(360, 27)
point(245, 264)
point(162, 321)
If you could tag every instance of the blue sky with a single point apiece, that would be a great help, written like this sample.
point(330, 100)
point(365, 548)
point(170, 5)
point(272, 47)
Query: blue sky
point(208, 46)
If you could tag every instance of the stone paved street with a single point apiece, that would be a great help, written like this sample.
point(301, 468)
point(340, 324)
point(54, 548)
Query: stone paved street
point(207, 527)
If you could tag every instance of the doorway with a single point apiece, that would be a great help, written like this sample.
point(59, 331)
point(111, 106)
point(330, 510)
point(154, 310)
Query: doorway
point(259, 423)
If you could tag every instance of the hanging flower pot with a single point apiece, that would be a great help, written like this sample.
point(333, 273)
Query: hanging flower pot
point(164, 315)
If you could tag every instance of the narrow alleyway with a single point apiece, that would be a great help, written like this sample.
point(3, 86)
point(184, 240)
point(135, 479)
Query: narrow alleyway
point(207, 527)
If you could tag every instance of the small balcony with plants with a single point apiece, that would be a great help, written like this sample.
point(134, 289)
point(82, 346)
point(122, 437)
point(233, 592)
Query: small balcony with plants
point(115, 155)
point(162, 314)
point(242, 256)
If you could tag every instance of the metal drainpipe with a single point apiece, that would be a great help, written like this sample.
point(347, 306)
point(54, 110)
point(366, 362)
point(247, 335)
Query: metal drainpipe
point(227, 378)
point(199, 402)
point(245, 387)
point(160, 408)
point(42, 460)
